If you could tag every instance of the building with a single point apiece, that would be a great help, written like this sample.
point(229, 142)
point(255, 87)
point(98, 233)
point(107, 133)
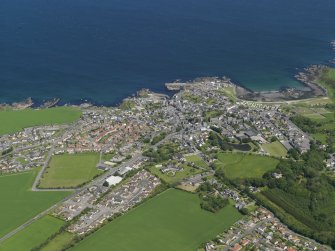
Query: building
point(123, 170)
point(113, 180)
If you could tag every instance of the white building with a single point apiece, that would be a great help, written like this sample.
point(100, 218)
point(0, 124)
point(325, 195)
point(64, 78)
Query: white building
point(113, 180)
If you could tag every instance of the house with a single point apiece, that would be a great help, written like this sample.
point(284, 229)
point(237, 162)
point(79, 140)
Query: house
point(237, 247)
point(123, 170)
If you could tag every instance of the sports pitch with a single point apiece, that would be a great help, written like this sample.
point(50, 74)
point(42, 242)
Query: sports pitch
point(70, 170)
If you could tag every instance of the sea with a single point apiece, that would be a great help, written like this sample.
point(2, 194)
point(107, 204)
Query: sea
point(104, 50)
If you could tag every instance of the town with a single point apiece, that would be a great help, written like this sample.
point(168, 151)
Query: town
point(154, 141)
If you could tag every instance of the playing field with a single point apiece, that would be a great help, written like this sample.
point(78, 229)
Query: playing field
point(275, 149)
point(172, 221)
point(19, 203)
point(32, 236)
point(70, 170)
point(15, 120)
point(237, 165)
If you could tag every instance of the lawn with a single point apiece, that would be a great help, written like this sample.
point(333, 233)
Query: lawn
point(32, 236)
point(15, 120)
point(172, 221)
point(169, 178)
point(238, 165)
point(70, 170)
point(59, 242)
point(197, 160)
point(19, 203)
point(275, 149)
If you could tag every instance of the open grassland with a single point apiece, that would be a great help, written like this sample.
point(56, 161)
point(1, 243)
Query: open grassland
point(32, 236)
point(197, 160)
point(275, 148)
point(178, 176)
point(319, 114)
point(229, 92)
point(59, 242)
point(172, 221)
point(70, 170)
point(15, 120)
point(328, 81)
point(19, 203)
point(238, 165)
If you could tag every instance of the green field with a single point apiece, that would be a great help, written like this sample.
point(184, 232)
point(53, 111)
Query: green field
point(70, 170)
point(328, 81)
point(238, 165)
point(171, 179)
point(172, 221)
point(15, 120)
point(32, 236)
point(19, 203)
point(196, 160)
point(275, 149)
point(59, 242)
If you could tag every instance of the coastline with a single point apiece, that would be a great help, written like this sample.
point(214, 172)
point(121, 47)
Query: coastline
point(308, 78)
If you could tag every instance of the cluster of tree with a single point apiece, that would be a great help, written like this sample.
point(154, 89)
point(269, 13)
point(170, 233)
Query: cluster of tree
point(213, 203)
point(305, 124)
point(307, 193)
point(209, 201)
point(7, 151)
point(162, 153)
point(216, 140)
point(158, 138)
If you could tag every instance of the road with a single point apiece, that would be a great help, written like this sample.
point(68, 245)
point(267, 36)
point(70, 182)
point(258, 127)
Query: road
point(245, 233)
point(99, 180)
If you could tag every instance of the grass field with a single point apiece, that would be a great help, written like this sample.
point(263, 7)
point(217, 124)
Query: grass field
point(18, 203)
point(196, 160)
point(70, 170)
point(322, 137)
point(172, 221)
point(187, 171)
point(275, 149)
point(238, 165)
point(59, 242)
point(32, 236)
point(328, 81)
point(15, 120)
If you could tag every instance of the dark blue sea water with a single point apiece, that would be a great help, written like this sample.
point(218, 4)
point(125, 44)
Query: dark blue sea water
point(104, 50)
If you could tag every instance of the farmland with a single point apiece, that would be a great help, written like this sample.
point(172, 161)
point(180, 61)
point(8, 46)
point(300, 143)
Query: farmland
point(70, 170)
point(15, 120)
point(238, 165)
point(171, 221)
point(18, 203)
point(34, 235)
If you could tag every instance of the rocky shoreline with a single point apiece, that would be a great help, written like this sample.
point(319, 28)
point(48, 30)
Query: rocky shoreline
point(309, 77)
